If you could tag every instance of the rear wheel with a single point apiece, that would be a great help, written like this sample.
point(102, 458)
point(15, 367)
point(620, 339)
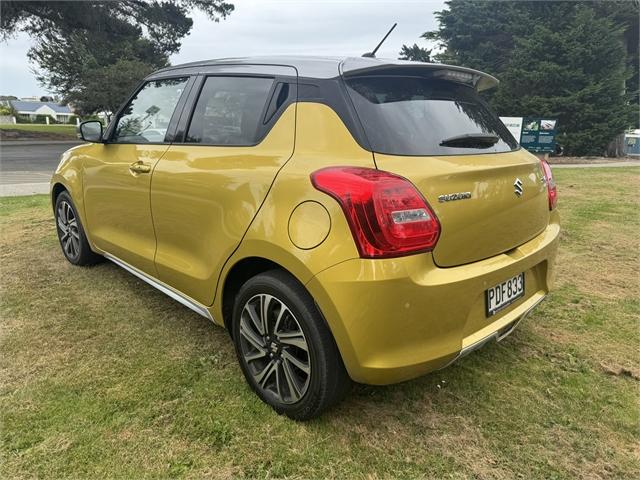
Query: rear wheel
point(73, 240)
point(285, 350)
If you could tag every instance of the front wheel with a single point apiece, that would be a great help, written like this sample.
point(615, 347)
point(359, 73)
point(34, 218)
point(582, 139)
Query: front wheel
point(285, 349)
point(73, 240)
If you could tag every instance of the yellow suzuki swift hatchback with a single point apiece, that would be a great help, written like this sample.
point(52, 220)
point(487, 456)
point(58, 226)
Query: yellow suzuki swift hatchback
point(345, 219)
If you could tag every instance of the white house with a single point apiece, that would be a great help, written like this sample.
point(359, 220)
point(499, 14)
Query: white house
point(60, 113)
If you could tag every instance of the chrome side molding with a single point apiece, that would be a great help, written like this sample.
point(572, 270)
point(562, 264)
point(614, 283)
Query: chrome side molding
point(163, 287)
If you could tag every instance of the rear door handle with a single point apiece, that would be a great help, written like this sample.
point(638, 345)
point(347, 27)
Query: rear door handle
point(139, 167)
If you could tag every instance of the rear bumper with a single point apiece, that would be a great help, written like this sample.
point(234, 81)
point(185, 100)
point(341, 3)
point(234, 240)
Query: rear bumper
point(396, 319)
point(497, 335)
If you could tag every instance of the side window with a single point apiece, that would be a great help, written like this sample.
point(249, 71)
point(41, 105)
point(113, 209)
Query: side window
point(146, 118)
point(229, 111)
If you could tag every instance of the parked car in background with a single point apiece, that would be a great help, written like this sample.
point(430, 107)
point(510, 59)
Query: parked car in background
point(345, 219)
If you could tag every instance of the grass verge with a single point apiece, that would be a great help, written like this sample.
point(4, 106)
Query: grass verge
point(102, 376)
point(33, 132)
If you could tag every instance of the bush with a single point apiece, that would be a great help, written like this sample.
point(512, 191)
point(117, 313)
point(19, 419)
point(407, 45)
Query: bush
point(23, 119)
point(39, 120)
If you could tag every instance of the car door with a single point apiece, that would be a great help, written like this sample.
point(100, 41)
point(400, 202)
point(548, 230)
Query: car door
point(206, 191)
point(117, 178)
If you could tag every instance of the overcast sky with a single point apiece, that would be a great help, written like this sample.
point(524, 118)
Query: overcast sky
point(267, 27)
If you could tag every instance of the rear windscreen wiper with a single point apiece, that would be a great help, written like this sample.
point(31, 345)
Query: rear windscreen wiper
point(471, 140)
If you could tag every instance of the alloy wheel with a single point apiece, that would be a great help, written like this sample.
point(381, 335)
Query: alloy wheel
point(68, 230)
point(274, 348)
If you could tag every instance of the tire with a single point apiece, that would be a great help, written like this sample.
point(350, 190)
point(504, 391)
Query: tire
point(274, 359)
point(71, 236)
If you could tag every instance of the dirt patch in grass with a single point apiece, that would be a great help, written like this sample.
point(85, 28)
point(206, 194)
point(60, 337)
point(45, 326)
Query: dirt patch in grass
point(102, 376)
point(619, 371)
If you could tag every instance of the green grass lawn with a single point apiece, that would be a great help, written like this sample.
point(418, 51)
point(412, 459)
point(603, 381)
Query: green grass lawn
point(69, 130)
point(102, 376)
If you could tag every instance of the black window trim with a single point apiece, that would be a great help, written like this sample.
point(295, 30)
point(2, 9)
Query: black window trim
point(177, 111)
point(263, 128)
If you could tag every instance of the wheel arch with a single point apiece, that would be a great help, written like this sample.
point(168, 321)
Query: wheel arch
point(56, 189)
point(68, 178)
point(250, 266)
point(237, 276)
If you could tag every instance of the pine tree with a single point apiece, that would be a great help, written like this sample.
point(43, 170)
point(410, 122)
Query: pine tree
point(576, 74)
point(570, 60)
point(415, 53)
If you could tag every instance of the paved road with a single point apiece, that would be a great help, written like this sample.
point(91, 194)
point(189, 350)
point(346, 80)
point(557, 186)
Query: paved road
point(31, 157)
point(26, 167)
point(633, 163)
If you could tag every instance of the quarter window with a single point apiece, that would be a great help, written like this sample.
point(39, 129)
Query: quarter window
point(146, 118)
point(229, 111)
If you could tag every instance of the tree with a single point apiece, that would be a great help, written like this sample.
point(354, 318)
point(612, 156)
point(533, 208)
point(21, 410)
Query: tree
point(165, 21)
point(93, 53)
point(570, 60)
point(626, 15)
point(415, 53)
point(577, 75)
point(89, 75)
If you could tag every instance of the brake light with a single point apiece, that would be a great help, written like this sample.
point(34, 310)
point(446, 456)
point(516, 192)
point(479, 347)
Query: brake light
point(552, 189)
point(388, 217)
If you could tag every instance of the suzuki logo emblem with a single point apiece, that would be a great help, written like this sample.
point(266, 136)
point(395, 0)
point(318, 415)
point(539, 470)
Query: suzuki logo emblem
point(517, 185)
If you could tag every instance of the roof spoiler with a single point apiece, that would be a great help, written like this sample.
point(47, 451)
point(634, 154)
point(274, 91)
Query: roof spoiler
point(468, 76)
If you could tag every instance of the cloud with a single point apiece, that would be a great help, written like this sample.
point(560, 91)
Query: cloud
point(333, 28)
point(16, 73)
point(270, 27)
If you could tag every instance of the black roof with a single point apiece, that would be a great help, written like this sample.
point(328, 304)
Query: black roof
point(322, 67)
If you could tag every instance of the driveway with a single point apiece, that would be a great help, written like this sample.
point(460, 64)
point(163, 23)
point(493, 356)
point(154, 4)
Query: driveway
point(26, 167)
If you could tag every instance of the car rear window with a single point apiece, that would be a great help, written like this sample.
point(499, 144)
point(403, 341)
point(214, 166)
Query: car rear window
point(413, 115)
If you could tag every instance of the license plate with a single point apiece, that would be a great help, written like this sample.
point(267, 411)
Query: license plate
point(504, 294)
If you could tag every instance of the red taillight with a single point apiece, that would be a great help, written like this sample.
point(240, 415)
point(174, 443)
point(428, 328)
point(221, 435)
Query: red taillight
point(552, 189)
point(387, 215)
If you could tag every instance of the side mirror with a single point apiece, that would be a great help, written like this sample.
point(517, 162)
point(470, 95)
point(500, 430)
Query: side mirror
point(91, 131)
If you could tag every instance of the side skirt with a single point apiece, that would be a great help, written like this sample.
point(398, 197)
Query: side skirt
point(163, 287)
